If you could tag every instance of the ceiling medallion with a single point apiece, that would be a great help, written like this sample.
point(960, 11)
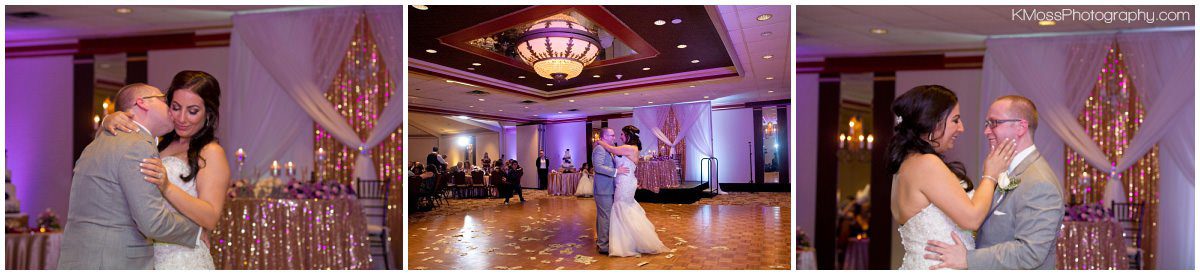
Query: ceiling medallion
point(558, 47)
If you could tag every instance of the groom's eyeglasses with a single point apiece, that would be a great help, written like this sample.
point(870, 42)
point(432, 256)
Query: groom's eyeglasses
point(159, 97)
point(992, 124)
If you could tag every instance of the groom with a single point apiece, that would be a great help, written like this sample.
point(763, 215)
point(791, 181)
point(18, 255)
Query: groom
point(113, 211)
point(604, 186)
point(1021, 231)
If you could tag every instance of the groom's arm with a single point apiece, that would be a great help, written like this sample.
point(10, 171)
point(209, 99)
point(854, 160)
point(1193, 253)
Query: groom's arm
point(146, 203)
point(602, 167)
point(1037, 222)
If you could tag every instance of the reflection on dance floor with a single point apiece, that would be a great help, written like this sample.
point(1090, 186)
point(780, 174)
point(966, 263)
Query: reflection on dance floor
point(558, 233)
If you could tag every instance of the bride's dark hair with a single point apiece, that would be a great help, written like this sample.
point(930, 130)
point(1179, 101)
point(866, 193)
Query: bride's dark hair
point(920, 113)
point(207, 87)
point(631, 136)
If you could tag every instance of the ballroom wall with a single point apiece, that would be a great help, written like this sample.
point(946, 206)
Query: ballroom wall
point(562, 136)
point(805, 114)
point(38, 132)
point(528, 142)
point(732, 129)
point(163, 65)
point(419, 147)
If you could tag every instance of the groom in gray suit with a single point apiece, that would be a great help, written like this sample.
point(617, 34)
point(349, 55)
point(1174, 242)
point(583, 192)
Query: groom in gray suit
point(604, 186)
point(114, 213)
point(1021, 231)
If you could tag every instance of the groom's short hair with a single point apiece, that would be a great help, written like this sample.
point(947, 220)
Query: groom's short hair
point(1024, 108)
point(128, 95)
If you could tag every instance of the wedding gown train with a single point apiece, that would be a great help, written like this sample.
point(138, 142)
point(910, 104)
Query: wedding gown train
point(630, 232)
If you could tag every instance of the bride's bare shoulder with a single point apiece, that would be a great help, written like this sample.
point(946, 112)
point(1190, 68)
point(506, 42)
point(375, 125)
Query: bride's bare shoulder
point(917, 164)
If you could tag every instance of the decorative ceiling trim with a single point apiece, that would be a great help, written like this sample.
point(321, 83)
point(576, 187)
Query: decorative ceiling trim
point(598, 14)
point(424, 68)
point(890, 63)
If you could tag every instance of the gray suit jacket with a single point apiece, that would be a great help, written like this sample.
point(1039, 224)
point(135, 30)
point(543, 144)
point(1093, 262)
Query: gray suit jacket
point(114, 212)
point(1022, 229)
point(606, 172)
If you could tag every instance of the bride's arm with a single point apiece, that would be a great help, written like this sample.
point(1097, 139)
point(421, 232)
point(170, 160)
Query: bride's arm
point(623, 150)
point(211, 185)
point(945, 192)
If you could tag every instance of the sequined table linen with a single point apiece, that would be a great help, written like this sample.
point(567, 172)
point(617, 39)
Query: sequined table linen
point(294, 234)
point(656, 174)
point(1091, 245)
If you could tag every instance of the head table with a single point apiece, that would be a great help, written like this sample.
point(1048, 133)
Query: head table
point(1091, 245)
point(304, 234)
point(656, 174)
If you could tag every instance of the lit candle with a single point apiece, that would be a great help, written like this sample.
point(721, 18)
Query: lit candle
point(860, 142)
point(842, 141)
point(241, 156)
point(870, 141)
point(96, 122)
point(275, 168)
point(291, 169)
point(321, 154)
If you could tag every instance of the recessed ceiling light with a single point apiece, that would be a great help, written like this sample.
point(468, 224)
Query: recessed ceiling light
point(694, 61)
point(526, 107)
point(681, 46)
point(421, 7)
point(521, 77)
point(768, 56)
point(649, 102)
point(472, 68)
point(769, 78)
point(549, 84)
point(764, 17)
point(765, 34)
point(124, 10)
point(596, 76)
point(705, 97)
point(1047, 23)
point(476, 64)
point(571, 100)
point(646, 69)
point(676, 21)
point(560, 112)
point(535, 115)
point(431, 51)
point(472, 106)
point(482, 99)
point(626, 93)
point(691, 86)
point(879, 31)
point(772, 91)
point(501, 110)
point(659, 22)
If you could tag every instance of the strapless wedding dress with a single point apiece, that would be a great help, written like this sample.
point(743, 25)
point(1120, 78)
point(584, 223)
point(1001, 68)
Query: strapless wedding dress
point(630, 232)
point(174, 256)
point(929, 224)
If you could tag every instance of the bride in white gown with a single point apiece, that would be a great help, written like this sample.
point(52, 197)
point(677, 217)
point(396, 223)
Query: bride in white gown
point(194, 164)
point(930, 195)
point(630, 232)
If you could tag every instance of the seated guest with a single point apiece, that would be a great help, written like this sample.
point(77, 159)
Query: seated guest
point(584, 188)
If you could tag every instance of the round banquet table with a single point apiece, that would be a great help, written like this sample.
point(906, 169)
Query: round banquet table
point(857, 254)
point(1091, 245)
point(563, 184)
point(806, 259)
point(32, 250)
point(656, 174)
point(307, 234)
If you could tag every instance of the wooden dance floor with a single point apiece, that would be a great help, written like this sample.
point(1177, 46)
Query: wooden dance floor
point(558, 233)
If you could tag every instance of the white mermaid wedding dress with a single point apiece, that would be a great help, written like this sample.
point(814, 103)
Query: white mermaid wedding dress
point(630, 232)
point(174, 256)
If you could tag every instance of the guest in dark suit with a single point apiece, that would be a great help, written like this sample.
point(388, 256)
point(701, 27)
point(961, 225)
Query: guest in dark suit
point(543, 170)
point(486, 162)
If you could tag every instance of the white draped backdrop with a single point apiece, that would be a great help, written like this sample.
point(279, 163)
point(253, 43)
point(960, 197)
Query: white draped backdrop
point(695, 129)
point(1059, 72)
point(281, 65)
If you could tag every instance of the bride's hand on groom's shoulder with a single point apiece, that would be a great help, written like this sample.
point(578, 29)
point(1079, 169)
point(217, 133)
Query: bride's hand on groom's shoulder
point(118, 121)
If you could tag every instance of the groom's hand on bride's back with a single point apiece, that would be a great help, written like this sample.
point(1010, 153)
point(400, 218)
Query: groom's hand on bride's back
point(622, 170)
point(953, 256)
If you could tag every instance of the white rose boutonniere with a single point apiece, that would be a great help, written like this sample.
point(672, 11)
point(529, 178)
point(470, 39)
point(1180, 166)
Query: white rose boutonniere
point(1007, 183)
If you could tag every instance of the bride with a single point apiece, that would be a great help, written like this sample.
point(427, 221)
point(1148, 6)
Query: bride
point(930, 196)
point(193, 162)
point(630, 232)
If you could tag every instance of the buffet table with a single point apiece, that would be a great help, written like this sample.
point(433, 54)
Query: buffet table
point(298, 234)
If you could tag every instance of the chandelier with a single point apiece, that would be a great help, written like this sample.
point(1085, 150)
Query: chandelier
point(558, 47)
point(854, 146)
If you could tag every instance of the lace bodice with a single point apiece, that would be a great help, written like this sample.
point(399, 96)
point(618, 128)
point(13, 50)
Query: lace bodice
point(929, 224)
point(174, 256)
